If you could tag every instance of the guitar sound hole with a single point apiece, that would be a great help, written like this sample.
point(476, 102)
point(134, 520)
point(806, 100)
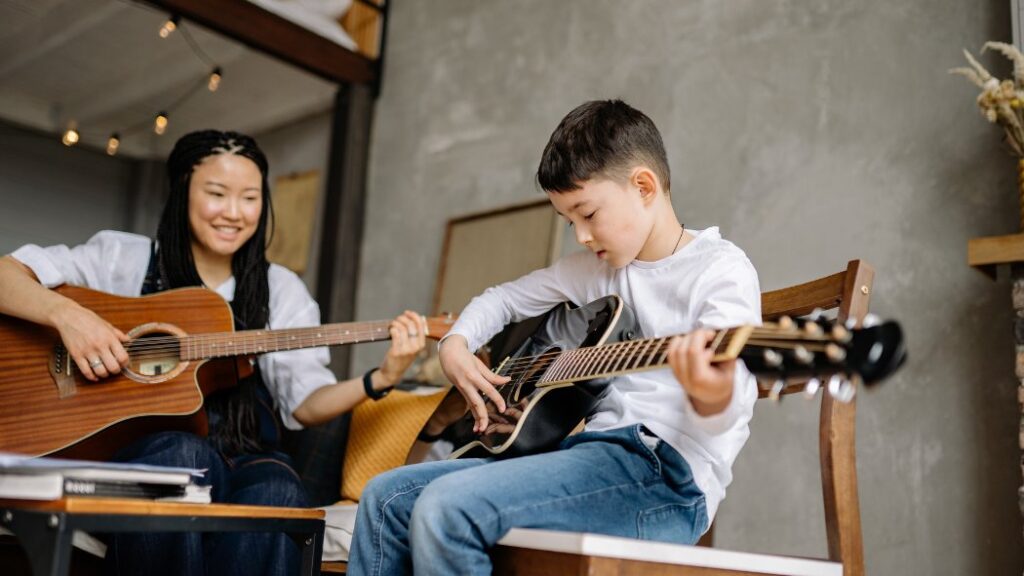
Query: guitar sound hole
point(154, 354)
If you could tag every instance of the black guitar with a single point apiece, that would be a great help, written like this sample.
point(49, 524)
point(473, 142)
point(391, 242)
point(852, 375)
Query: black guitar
point(562, 363)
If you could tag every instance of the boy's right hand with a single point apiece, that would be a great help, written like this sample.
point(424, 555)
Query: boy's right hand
point(94, 344)
point(472, 378)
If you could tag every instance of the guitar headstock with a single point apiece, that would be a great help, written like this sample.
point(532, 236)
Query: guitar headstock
point(818, 353)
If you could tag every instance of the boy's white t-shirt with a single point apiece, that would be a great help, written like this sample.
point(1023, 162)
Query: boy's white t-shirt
point(116, 262)
point(708, 283)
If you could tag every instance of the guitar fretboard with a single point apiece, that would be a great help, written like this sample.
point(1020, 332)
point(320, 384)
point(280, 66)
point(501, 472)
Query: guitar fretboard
point(617, 358)
point(247, 342)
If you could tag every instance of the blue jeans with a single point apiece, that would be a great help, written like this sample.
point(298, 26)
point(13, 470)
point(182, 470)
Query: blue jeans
point(441, 517)
point(266, 480)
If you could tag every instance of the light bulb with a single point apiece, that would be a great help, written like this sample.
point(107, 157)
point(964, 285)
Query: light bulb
point(160, 123)
point(71, 136)
point(214, 79)
point(113, 143)
point(169, 26)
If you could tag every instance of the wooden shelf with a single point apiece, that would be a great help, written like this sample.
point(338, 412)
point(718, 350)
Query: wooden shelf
point(985, 254)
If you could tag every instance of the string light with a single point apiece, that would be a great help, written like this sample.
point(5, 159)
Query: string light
point(160, 123)
point(214, 79)
point(169, 26)
point(71, 136)
point(113, 143)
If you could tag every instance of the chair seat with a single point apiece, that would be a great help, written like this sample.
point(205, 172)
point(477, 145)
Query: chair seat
point(666, 555)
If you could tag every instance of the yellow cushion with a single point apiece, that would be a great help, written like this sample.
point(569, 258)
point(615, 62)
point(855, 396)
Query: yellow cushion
point(381, 435)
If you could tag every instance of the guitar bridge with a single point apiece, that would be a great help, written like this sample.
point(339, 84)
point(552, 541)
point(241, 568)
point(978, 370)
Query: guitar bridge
point(61, 371)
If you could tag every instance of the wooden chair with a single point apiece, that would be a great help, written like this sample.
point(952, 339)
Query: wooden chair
point(536, 551)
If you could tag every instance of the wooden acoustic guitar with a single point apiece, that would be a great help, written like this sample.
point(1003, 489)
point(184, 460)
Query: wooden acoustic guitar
point(183, 347)
point(561, 365)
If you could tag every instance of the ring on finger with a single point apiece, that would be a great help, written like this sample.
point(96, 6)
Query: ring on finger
point(95, 363)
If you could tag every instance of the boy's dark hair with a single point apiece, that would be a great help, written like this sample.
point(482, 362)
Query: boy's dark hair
point(601, 139)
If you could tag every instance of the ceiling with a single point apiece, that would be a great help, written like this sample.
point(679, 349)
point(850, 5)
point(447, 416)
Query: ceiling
point(103, 65)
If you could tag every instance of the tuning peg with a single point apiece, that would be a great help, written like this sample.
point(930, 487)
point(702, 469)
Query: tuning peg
point(812, 387)
point(813, 329)
point(772, 358)
point(775, 394)
point(847, 390)
point(803, 355)
point(834, 383)
point(835, 353)
point(840, 334)
point(785, 323)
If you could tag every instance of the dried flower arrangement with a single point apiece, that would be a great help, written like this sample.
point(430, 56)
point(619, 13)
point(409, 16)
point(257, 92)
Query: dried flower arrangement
point(1001, 101)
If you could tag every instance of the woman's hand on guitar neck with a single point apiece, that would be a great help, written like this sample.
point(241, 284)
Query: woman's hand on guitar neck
point(472, 378)
point(95, 345)
point(408, 337)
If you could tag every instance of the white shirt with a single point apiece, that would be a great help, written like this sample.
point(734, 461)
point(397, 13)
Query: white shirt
point(708, 283)
point(116, 262)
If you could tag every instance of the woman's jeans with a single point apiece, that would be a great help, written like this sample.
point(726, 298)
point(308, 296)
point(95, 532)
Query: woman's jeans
point(441, 517)
point(265, 480)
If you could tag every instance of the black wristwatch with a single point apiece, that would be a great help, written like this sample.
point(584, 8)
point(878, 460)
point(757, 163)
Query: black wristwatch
point(368, 386)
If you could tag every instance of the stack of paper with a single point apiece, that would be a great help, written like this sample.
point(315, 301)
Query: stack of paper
point(22, 477)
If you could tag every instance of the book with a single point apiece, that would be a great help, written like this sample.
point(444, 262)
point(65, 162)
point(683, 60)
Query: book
point(23, 477)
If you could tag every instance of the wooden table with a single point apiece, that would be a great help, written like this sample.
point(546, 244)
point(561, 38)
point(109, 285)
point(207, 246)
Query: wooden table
point(45, 529)
point(527, 551)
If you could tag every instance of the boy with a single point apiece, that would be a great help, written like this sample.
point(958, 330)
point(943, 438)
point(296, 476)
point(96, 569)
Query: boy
point(656, 455)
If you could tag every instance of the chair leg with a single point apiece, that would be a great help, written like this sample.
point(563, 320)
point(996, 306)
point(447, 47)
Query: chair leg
point(839, 483)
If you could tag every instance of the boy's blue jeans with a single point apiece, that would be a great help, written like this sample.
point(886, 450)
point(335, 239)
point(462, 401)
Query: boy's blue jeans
point(441, 517)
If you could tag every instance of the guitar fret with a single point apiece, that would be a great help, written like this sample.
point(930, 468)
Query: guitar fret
point(605, 359)
point(628, 349)
point(579, 365)
point(621, 354)
point(629, 353)
point(639, 356)
point(662, 344)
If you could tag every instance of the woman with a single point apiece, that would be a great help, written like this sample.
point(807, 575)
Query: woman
point(212, 233)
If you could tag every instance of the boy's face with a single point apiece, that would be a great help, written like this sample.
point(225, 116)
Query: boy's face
point(612, 219)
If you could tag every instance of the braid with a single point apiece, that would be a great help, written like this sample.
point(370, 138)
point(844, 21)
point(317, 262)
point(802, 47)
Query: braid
point(251, 304)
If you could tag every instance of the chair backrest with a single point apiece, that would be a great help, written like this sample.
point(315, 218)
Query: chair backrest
point(849, 291)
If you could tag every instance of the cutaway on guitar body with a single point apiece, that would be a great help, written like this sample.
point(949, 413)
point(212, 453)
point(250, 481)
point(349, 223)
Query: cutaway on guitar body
point(542, 411)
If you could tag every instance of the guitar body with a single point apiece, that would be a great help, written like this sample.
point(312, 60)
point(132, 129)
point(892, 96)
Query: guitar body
point(46, 407)
point(540, 417)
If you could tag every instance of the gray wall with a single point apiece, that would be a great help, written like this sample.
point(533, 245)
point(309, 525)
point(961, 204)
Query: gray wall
point(812, 133)
point(52, 194)
point(301, 146)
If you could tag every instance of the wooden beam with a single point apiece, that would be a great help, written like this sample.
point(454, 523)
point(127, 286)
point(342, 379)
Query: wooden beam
point(985, 254)
point(274, 35)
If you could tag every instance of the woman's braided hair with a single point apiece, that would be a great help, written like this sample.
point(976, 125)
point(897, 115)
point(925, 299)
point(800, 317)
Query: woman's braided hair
point(238, 430)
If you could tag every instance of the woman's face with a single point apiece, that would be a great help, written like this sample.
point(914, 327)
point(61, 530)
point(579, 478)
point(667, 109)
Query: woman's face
point(225, 199)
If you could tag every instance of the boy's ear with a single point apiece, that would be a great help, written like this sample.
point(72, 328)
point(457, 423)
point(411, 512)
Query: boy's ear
point(646, 182)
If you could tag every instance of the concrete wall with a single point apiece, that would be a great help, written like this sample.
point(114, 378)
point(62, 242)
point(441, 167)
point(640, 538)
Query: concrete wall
point(52, 194)
point(296, 148)
point(812, 133)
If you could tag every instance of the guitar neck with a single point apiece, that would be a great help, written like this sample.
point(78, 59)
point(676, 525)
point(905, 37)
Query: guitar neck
point(249, 342)
point(630, 356)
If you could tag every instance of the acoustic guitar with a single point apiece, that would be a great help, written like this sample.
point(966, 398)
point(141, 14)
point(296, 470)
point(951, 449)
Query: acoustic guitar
point(561, 365)
point(182, 347)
